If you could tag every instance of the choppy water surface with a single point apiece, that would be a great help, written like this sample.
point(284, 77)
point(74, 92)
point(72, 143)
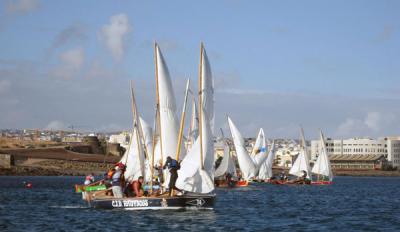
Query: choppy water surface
point(351, 204)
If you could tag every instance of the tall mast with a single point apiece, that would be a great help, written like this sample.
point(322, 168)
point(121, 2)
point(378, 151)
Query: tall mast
point(201, 104)
point(136, 124)
point(157, 114)
point(153, 153)
point(133, 127)
point(139, 125)
point(158, 102)
point(178, 149)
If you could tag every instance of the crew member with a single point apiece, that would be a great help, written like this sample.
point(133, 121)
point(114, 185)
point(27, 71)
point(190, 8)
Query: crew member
point(137, 187)
point(173, 167)
point(117, 180)
point(229, 180)
point(304, 174)
point(303, 179)
point(283, 176)
point(89, 179)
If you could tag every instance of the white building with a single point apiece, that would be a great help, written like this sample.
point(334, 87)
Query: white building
point(389, 147)
point(122, 138)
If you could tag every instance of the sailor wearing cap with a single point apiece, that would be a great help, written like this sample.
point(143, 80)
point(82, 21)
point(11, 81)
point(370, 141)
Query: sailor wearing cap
point(117, 180)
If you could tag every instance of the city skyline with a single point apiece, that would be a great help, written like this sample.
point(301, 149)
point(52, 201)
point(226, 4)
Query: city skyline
point(323, 65)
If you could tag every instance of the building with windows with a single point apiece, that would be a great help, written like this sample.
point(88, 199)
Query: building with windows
point(387, 147)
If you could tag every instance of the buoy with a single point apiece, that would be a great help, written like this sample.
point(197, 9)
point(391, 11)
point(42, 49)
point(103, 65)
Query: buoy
point(28, 185)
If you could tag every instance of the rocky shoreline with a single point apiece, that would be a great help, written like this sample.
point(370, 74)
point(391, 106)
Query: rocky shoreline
point(56, 168)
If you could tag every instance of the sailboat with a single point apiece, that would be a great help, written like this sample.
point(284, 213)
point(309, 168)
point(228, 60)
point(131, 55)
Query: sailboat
point(300, 167)
point(322, 166)
point(265, 173)
point(246, 164)
point(196, 173)
point(133, 158)
point(259, 152)
point(225, 174)
point(197, 168)
point(227, 164)
point(302, 162)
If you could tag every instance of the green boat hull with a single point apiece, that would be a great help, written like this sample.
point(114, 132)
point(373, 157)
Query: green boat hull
point(84, 188)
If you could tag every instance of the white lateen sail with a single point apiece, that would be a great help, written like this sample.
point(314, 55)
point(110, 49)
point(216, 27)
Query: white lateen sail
point(147, 136)
point(207, 88)
point(148, 143)
point(259, 153)
point(133, 158)
point(169, 125)
point(265, 171)
point(323, 166)
point(246, 164)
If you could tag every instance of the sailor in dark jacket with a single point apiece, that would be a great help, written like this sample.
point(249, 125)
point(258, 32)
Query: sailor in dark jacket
point(173, 167)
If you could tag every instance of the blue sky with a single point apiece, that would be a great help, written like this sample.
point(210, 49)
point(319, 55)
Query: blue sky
point(277, 64)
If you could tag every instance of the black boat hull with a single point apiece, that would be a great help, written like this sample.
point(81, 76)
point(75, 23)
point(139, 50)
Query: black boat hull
point(205, 201)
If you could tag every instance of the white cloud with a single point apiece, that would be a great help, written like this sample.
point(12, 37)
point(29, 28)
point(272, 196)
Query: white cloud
point(71, 62)
point(373, 123)
point(4, 86)
point(349, 126)
point(73, 58)
point(43, 98)
point(21, 6)
point(114, 35)
point(373, 120)
point(55, 125)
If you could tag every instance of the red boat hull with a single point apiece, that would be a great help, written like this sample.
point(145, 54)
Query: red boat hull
point(224, 184)
point(242, 183)
point(321, 182)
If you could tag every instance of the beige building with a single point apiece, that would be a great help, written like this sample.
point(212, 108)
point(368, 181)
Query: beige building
point(388, 147)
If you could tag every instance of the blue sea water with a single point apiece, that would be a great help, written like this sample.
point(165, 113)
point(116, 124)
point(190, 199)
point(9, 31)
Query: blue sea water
point(350, 204)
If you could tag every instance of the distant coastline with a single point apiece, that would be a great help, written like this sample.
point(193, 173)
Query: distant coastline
point(61, 160)
point(74, 168)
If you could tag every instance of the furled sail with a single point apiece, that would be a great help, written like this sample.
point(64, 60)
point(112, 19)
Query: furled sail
point(246, 164)
point(192, 177)
point(302, 162)
point(265, 171)
point(227, 165)
point(169, 125)
point(197, 168)
point(323, 166)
